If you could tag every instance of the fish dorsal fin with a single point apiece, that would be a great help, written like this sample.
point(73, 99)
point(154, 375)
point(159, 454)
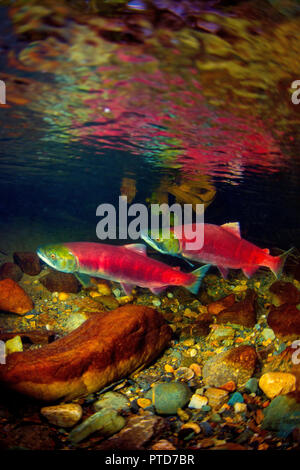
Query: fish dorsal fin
point(137, 247)
point(232, 227)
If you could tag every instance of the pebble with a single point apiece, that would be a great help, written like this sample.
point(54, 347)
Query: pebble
point(28, 261)
point(106, 422)
point(192, 352)
point(117, 292)
point(56, 281)
point(282, 415)
point(163, 444)
point(216, 396)
point(198, 401)
point(221, 333)
point(193, 426)
point(216, 418)
point(63, 296)
point(103, 288)
point(169, 369)
point(252, 385)
point(65, 416)
point(144, 402)
point(125, 299)
point(229, 386)
point(13, 298)
point(113, 400)
point(236, 397)
point(184, 373)
point(188, 342)
point(168, 397)
point(13, 345)
point(183, 415)
point(196, 368)
point(240, 407)
point(11, 271)
point(277, 383)
point(236, 364)
point(156, 302)
point(268, 334)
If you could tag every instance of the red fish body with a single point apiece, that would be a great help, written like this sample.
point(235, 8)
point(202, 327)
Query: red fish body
point(127, 264)
point(224, 248)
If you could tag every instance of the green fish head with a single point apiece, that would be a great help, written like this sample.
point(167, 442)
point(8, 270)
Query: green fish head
point(58, 257)
point(164, 243)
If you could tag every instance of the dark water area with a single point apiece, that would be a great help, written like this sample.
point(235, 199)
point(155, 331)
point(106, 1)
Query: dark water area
point(147, 122)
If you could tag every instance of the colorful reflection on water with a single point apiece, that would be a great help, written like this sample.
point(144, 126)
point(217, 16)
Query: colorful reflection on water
point(158, 103)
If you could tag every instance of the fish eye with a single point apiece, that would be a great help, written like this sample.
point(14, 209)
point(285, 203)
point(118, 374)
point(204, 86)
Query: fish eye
point(53, 256)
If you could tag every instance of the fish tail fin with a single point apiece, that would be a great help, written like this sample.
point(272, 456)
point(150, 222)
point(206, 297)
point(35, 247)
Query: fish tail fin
point(278, 262)
point(199, 273)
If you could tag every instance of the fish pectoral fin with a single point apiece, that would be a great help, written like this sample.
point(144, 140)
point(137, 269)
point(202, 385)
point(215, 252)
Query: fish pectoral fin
point(84, 279)
point(250, 271)
point(158, 290)
point(127, 288)
point(233, 227)
point(223, 271)
point(137, 247)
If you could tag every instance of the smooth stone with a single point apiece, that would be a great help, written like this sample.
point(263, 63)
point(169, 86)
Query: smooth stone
point(277, 383)
point(268, 333)
point(65, 416)
point(252, 385)
point(137, 433)
point(284, 293)
point(106, 422)
point(222, 333)
point(214, 308)
point(237, 365)
point(28, 261)
point(236, 397)
point(240, 407)
point(113, 400)
point(242, 313)
point(168, 397)
point(198, 401)
point(56, 281)
point(13, 298)
point(282, 415)
point(216, 396)
point(10, 271)
point(13, 345)
point(285, 321)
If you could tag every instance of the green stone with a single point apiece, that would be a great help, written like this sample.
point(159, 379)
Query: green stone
point(168, 397)
point(115, 401)
point(106, 422)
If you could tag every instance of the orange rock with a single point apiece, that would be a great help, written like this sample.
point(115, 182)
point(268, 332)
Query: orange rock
point(104, 349)
point(229, 386)
point(219, 305)
point(13, 298)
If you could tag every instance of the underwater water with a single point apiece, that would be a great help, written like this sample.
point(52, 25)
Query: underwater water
point(161, 102)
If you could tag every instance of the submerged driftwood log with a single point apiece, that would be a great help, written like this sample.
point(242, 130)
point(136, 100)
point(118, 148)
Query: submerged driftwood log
point(105, 348)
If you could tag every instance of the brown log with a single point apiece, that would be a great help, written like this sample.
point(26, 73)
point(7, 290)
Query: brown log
point(105, 348)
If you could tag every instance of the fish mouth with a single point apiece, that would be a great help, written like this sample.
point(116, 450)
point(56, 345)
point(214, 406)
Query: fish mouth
point(152, 243)
point(41, 255)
